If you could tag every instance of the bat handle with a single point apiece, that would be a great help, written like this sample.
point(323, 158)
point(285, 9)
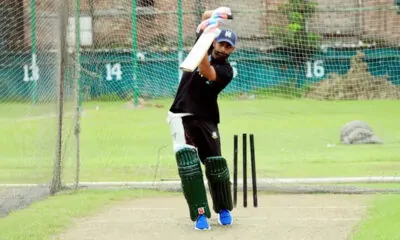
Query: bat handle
point(230, 16)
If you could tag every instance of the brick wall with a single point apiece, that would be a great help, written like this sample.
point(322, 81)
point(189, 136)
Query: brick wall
point(380, 24)
point(383, 23)
point(112, 20)
point(244, 24)
point(46, 23)
point(331, 22)
point(11, 24)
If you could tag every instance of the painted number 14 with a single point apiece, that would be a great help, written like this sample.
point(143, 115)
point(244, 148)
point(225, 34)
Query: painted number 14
point(114, 72)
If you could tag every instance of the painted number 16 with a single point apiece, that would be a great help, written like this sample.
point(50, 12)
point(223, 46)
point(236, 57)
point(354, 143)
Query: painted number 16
point(315, 70)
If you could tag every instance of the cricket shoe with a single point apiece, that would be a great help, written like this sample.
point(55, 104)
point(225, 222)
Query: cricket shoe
point(224, 217)
point(201, 223)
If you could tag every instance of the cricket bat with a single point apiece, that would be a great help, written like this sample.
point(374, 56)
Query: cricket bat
point(198, 51)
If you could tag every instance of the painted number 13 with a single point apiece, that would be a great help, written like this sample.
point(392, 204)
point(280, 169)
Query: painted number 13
point(31, 72)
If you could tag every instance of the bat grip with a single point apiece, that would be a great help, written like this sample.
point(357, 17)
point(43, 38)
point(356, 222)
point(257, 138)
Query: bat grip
point(230, 16)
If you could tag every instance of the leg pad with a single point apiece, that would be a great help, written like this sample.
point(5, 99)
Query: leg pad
point(192, 182)
point(217, 173)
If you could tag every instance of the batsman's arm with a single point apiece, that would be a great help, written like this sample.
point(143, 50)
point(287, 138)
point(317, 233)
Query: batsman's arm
point(206, 69)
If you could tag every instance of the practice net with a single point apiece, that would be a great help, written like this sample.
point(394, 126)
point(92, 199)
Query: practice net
point(302, 70)
point(36, 103)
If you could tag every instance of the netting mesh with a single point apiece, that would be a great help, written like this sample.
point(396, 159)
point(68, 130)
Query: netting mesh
point(125, 55)
point(27, 104)
point(31, 98)
point(288, 46)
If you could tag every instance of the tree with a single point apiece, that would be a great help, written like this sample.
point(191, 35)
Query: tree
point(398, 6)
point(295, 37)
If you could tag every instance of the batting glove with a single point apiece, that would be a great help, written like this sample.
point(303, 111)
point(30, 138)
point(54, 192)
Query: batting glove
point(222, 12)
point(209, 25)
point(217, 16)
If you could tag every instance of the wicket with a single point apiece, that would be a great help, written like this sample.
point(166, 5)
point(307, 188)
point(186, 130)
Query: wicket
point(253, 169)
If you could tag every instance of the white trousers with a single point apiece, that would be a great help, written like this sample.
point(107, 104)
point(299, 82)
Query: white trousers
point(177, 131)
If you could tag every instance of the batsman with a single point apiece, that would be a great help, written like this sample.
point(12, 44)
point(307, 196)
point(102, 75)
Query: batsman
point(193, 119)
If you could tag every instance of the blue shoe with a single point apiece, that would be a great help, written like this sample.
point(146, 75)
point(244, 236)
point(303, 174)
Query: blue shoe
point(201, 223)
point(225, 217)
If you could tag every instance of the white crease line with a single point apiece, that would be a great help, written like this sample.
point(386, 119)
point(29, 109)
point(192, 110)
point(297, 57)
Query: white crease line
point(314, 207)
point(288, 207)
point(237, 219)
point(144, 208)
point(298, 219)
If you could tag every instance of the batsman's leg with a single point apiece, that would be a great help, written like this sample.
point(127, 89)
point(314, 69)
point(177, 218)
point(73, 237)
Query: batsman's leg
point(193, 188)
point(217, 173)
point(190, 173)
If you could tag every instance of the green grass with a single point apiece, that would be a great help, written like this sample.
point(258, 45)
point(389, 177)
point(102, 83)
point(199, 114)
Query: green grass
point(382, 221)
point(48, 217)
point(121, 144)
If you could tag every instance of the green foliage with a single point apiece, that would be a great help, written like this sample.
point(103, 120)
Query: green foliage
point(295, 35)
point(302, 7)
point(295, 17)
point(398, 6)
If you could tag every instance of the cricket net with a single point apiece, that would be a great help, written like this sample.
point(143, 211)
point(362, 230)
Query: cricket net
point(301, 68)
point(37, 98)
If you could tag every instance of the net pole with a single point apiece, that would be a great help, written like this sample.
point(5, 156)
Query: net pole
point(34, 67)
point(91, 12)
point(306, 19)
point(77, 89)
point(134, 54)
point(56, 180)
point(180, 37)
point(78, 50)
point(199, 8)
